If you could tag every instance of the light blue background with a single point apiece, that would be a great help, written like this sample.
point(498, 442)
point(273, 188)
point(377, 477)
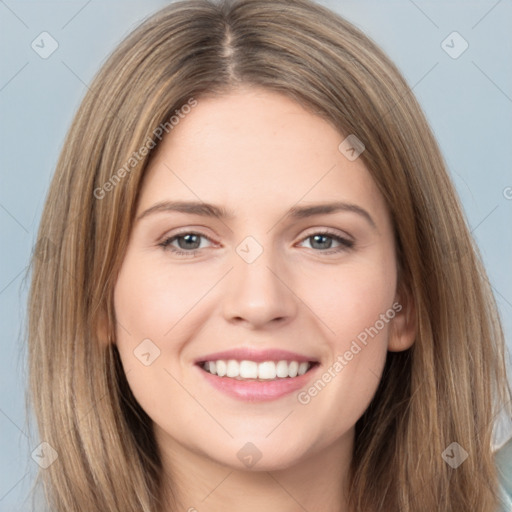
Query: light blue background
point(468, 102)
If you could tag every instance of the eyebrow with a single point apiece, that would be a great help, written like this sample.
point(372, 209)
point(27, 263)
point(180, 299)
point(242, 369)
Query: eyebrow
point(219, 212)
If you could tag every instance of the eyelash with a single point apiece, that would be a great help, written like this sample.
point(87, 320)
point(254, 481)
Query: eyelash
point(166, 244)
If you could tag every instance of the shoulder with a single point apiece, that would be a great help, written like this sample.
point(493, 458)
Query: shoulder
point(503, 457)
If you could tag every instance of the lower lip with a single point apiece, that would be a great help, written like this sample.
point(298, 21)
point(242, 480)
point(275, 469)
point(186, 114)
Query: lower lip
point(258, 391)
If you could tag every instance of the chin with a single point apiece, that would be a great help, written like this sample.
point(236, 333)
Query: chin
point(262, 456)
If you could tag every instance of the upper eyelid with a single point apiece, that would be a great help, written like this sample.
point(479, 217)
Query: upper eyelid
point(187, 232)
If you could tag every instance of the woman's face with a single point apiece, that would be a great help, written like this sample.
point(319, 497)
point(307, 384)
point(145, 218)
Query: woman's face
point(274, 283)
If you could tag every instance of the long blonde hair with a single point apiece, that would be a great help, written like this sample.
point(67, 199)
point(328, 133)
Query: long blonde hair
point(447, 388)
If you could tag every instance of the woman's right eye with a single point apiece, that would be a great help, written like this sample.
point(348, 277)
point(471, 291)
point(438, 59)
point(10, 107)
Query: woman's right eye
point(190, 239)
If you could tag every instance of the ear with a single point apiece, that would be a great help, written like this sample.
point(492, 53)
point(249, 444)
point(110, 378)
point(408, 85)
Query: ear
point(102, 328)
point(403, 326)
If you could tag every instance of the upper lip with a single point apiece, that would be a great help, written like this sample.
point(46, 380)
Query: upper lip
point(251, 354)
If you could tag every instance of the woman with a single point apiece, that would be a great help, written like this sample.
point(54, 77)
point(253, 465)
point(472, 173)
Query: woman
point(330, 344)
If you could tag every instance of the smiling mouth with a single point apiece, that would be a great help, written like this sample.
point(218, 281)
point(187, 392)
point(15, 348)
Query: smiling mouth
point(265, 371)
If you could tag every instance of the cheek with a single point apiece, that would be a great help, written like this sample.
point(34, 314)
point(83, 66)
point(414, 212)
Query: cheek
point(146, 308)
point(157, 311)
point(356, 305)
point(352, 299)
point(150, 302)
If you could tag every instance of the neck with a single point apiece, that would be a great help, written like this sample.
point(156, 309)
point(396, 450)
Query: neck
point(318, 482)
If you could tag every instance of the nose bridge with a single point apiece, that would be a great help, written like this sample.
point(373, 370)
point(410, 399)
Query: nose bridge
point(257, 293)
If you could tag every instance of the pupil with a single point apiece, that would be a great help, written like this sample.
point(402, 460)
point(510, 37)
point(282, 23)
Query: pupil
point(316, 237)
point(189, 238)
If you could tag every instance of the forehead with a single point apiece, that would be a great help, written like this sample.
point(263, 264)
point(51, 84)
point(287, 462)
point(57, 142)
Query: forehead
point(255, 148)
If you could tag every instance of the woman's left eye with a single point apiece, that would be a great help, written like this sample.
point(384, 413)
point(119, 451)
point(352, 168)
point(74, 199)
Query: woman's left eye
point(189, 244)
point(319, 239)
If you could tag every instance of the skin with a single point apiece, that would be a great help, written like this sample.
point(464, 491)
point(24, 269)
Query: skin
point(257, 153)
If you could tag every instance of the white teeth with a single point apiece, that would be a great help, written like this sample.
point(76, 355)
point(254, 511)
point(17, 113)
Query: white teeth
point(233, 368)
point(267, 370)
point(249, 370)
point(221, 368)
point(293, 368)
point(282, 369)
point(303, 368)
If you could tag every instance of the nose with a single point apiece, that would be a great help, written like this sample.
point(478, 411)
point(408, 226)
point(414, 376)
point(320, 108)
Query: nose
point(260, 293)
